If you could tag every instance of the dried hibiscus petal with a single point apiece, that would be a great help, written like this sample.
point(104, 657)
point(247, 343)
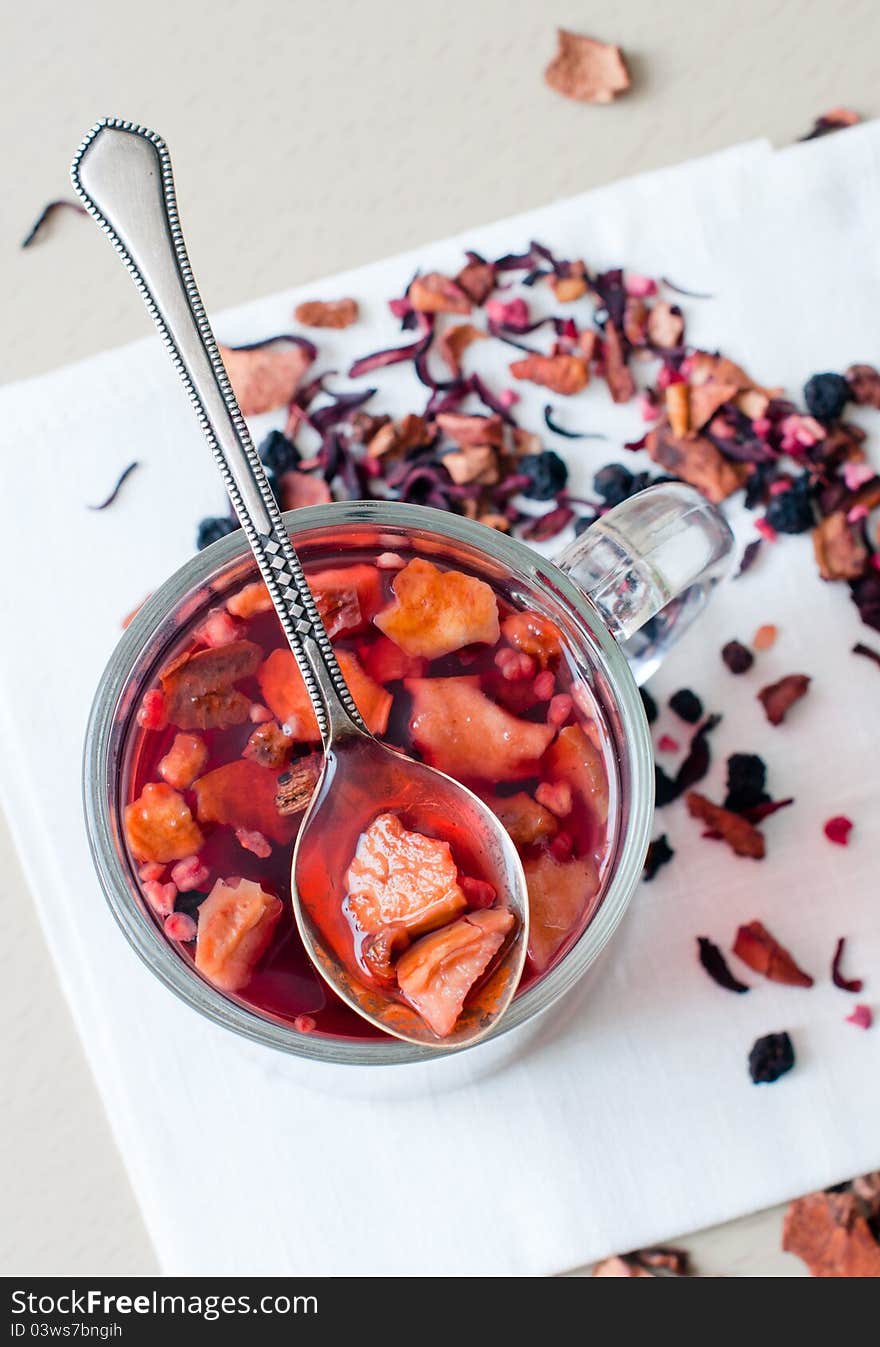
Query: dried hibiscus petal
point(838, 829)
point(828, 1232)
point(845, 984)
point(742, 837)
point(436, 293)
point(716, 966)
point(861, 1017)
point(770, 1058)
point(454, 342)
point(692, 770)
point(587, 70)
point(861, 649)
point(840, 550)
point(266, 376)
point(761, 951)
point(659, 854)
point(778, 698)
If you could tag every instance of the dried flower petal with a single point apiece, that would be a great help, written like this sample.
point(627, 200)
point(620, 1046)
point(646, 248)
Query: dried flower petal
point(828, 1232)
point(563, 374)
point(660, 853)
point(778, 698)
point(585, 69)
point(845, 984)
point(749, 557)
point(50, 209)
point(716, 966)
point(266, 376)
point(740, 835)
point(762, 952)
point(120, 481)
point(861, 1017)
point(860, 649)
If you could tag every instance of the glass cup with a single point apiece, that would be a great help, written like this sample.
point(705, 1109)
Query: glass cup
point(621, 593)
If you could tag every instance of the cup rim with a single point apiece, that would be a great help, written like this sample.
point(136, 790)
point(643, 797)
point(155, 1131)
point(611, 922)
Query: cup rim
point(103, 734)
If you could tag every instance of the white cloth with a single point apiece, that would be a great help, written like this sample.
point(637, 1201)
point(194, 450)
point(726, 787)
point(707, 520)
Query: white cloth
point(626, 1115)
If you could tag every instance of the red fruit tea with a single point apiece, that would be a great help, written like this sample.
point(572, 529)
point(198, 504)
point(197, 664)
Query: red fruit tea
point(442, 665)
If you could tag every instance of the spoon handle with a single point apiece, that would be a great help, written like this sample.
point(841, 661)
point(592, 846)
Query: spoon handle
point(122, 174)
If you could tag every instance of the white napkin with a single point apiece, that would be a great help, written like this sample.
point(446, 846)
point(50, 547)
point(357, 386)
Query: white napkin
point(626, 1115)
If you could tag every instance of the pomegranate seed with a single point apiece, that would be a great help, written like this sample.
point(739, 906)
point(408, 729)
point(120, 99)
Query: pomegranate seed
point(555, 796)
point(559, 710)
point(253, 841)
point(151, 715)
point(178, 926)
point(160, 896)
point(304, 1024)
point(190, 874)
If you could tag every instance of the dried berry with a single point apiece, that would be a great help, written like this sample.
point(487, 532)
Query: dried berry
point(547, 474)
point(738, 658)
point(211, 530)
point(792, 511)
point(613, 483)
point(778, 698)
point(659, 854)
point(746, 780)
point(278, 453)
point(686, 705)
point(826, 395)
point(838, 829)
point(770, 1058)
point(716, 966)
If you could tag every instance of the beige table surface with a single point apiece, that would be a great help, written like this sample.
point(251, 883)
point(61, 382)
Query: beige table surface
point(344, 130)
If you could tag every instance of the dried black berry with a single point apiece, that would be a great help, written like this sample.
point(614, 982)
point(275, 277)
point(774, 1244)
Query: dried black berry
point(211, 530)
point(717, 967)
point(278, 453)
point(687, 705)
point(613, 483)
point(659, 853)
point(546, 472)
point(826, 395)
point(792, 510)
point(738, 658)
point(746, 781)
point(649, 704)
point(770, 1058)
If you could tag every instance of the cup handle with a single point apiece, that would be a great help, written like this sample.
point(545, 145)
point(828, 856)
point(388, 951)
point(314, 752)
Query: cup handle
point(649, 565)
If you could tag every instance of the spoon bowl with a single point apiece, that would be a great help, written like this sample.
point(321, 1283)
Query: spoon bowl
point(362, 778)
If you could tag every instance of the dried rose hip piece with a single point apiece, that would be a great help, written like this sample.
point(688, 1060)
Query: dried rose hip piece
point(560, 892)
point(402, 878)
point(236, 923)
point(586, 69)
point(436, 612)
point(159, 825)
point(436, 974)
point(770, 1058)
point(184, 761)
point(458, 729)
point(778, 698)
point(283, 689)
point(241, 794)
point(334, 313)
point(761, 951)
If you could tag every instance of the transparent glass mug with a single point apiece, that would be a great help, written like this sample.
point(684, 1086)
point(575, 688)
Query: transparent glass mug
point(620, 594)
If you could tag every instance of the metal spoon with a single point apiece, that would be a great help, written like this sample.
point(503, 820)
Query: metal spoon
point(122, 173)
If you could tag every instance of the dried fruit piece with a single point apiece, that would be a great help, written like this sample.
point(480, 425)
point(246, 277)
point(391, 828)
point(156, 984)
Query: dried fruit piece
point(840, 549)
point(838, 829)
point(740, 835)
point(437, 972)
point(347, 597)
point(454, 342)
point(296, 787)
point(678, 408)
point(266, 376)
point(159, 825)
point(586, 69)
point(199, 692)
point(526, 821)
point(458, 729)
point(861, 1017)
point(617, 1266)
point(563, 374)
point(435, 612)
point(533, 634)
point(561, 895)
point(283, 689)
point(184, 761)
point(761, 951)
point(845, 984)
point(575, 758)
point(864, 385)
point(334, 313)
point(385, 662)
point(236, 924)
point(738, 658)
point(830, 1234)
point(468, 430)
point(435, 293)
point(697, 461)
point(241, 794)
point(269, 745)
point(400, 877)
point(250, 600)
point(621, 384)
point(779, 697)
point(770, 1058)
point(716, 966)
point(765, 637)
